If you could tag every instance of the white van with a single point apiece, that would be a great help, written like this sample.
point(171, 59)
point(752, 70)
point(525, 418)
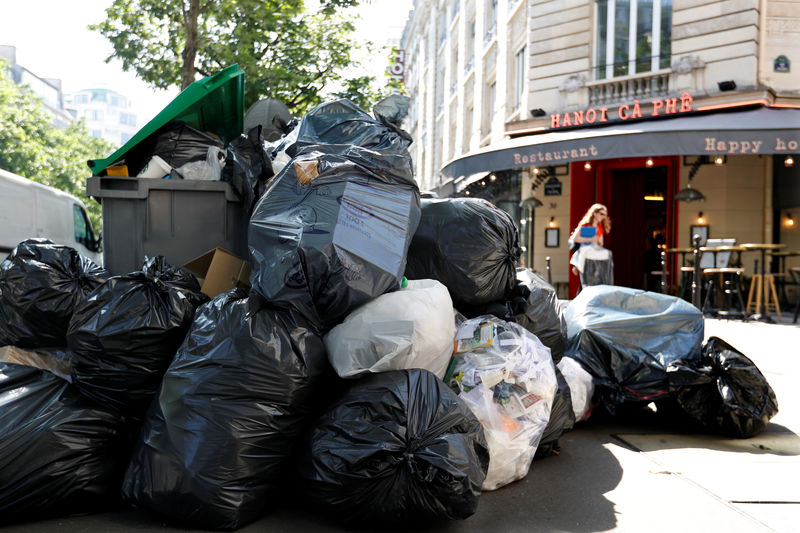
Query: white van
point(29, 209)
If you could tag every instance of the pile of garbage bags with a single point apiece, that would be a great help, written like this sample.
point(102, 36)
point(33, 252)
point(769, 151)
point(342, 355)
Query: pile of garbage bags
point(390, 362)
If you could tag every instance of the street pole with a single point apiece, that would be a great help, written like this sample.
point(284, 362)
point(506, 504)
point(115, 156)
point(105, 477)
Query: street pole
point(697, 272)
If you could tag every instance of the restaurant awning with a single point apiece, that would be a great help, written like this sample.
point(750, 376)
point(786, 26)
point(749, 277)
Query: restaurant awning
point(767, 130)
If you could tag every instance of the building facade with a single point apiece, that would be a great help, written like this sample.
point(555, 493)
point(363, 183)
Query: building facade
point(548, 106)
point(107, 113)
point(47, 89)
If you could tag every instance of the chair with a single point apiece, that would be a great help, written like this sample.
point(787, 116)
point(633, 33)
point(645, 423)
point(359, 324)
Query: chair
point(767, 285)
point(795, 271)
point(723, 283)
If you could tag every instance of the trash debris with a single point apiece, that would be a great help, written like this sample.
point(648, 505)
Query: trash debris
point(398, 447)
point(625, 338)
point(123, 337)
point(41, 284)
point(470, 246)
point(723, 391)
point(507, 377)
point(59, 452)
point(218, 439)
point(409, 328)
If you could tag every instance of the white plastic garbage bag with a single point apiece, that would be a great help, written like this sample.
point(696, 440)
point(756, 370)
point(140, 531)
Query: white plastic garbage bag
point(409, 328)
point(581, 387)
point(507, 377)
point(208, 170)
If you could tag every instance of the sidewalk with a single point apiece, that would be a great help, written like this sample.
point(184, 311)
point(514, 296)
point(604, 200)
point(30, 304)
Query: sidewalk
point(614, 476)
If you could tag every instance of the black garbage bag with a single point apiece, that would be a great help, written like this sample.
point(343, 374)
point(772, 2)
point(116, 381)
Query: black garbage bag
point(626, 338)
point(126, 333)
point(59, 452)
point(217, 442)
point(399, 446)
point(329, 235)
point(723, 391)
point(542, 314)
point(562, 419)
point(178, 143)
point(470, 246)
point(41, 284)
point(342, 123)
point(248, 167)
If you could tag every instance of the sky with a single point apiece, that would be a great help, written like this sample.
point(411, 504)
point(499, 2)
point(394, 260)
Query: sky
point(53, 41)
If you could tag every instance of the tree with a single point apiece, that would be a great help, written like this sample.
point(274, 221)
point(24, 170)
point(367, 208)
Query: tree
point(30, 146)
point(286, 53)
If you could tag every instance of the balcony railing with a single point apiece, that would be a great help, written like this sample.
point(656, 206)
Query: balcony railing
point(646, 85)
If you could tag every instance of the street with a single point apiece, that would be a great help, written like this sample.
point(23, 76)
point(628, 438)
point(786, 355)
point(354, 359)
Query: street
point(613, 475)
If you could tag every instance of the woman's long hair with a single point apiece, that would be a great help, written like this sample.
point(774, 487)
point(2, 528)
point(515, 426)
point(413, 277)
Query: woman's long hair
point(589, 218)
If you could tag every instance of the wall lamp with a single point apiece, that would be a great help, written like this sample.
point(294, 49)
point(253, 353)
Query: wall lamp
point(587, 166)
point(700, 218)
point(789, 220)
point(789, 161)
point(538, 112)
point(728, 85)
point(552, 222)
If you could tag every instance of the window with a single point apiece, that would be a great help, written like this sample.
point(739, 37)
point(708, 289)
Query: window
point(125, 137)
point(470, 46)
point(97, 133)
point(488, 115)
point(127, 118)
point(519, 76)
point(467, 129)
point(633, 36)
point(82, 99)
point(95, 114)
point(117, 101)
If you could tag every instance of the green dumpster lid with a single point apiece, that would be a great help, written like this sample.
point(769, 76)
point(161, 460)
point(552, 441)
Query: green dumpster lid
point(214, 104)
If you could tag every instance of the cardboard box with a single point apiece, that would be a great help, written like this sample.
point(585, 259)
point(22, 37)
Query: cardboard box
point(219, 270)
point(56, 361)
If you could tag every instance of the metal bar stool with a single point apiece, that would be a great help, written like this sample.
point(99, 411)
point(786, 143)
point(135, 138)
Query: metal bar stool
point(723, 292)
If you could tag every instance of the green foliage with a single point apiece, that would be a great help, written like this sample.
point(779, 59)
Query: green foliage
point(286, 52)
point(30, 146)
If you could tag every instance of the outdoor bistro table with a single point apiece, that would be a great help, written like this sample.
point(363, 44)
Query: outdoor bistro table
point(762, 247)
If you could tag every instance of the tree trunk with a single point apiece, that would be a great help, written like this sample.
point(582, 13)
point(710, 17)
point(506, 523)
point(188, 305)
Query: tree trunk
point(190, 49)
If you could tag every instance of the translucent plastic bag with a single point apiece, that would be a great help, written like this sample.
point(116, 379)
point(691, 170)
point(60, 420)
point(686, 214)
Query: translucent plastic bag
point(507, 377)
point(581, 387)
point(208, 170)
point(409, 328)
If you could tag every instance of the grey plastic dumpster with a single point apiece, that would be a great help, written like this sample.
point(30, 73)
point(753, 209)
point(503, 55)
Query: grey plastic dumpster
point(179, 219)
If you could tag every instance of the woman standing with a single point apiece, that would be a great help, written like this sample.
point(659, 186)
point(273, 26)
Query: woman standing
point(590, 231)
